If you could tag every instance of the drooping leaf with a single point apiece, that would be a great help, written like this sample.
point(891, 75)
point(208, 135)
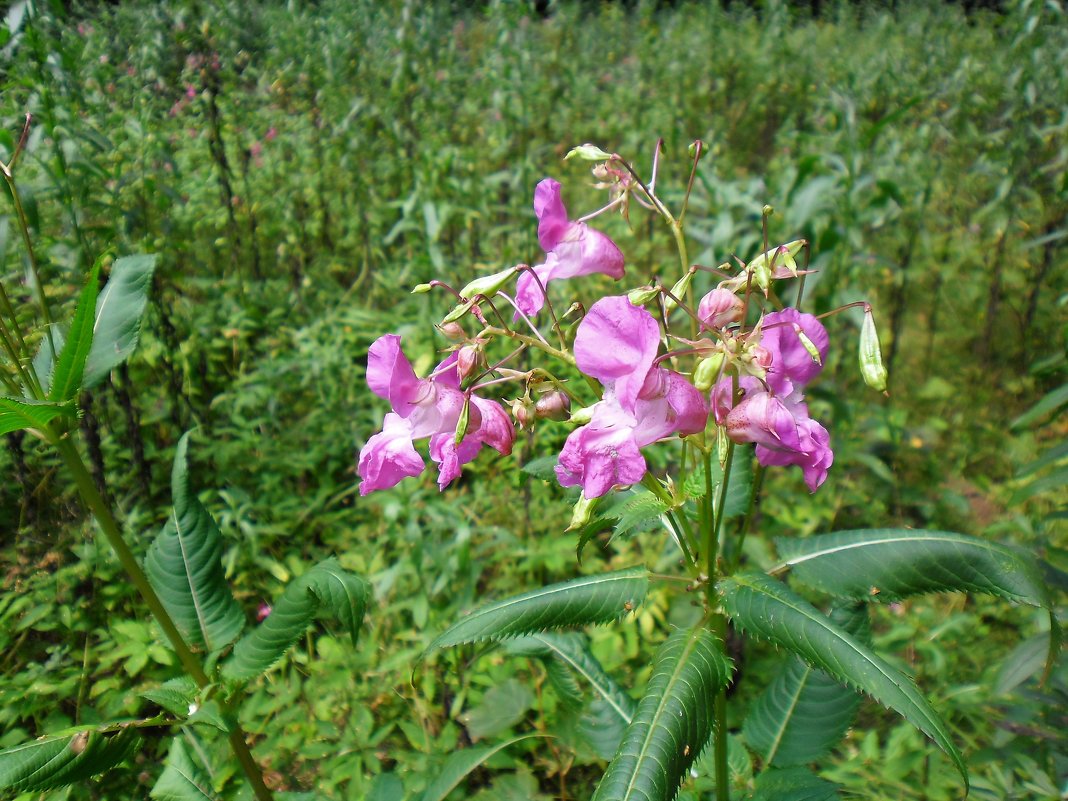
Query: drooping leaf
point(673, 721)
point(768, 609)
point(184, 564)
point(890, 564)
point(793, 784)
point(19, 413)
point(70, 362)
point(51, 762)
point(803, 712)
point(502, 707)
point(460, 764)
point(118, 316)
point(182, 779)
point(580, 602)
point(325, 588)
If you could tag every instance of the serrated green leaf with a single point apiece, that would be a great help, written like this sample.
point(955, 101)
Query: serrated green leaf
point(176, 696)
point(673, 721)
point(119, 309)
point(56, 761)
point(768, 609)
point(460, 764)
point(324, 588)
point(803, 712)
point(603, 728)
point(70, 364)
point(637, 513)
point(502, 707)
point(184, 564)
point(897, 563)
point(564, 683)
point(182, 779)
point(793, 784)
point(19, 413)
point(543, 467)
point(737, 493)
point(580, 602)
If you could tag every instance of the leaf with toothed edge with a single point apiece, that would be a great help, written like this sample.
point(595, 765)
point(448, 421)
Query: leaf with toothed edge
point(769, 610)
point(56, 761)
point(581, 602)
point(891, 564)
point(673, 722)
point(803, 713)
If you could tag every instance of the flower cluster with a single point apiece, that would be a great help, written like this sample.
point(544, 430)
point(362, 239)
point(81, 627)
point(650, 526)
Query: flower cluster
point(752, 379)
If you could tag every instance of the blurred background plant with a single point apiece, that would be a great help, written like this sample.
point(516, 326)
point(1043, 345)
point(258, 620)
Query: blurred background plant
point(298, 168)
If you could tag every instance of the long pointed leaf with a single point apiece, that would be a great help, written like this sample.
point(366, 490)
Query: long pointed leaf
point(460, 764)
point(184, 565)
point(673, 721)
point(889, 564)
point(588, 600)
point(118, 315)
point(768, 609)
point(70, 365)
point(19, 413)
point(803, 712)
point(51, 762)
point(326, 587)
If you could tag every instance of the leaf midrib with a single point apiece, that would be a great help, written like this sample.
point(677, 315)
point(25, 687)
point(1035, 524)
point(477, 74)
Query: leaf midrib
point(602, 691)
point(990, 546)
point(682, 661)
point(777, 740)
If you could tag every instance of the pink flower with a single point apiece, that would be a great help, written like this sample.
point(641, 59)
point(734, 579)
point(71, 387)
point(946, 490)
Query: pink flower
point(572, 249)
point(262, 611)
point(719, 308)
point(617, 343)
point(773, 414)
point(427, 407)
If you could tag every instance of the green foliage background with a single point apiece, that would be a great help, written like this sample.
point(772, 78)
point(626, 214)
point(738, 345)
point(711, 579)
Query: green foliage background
point(298, 168)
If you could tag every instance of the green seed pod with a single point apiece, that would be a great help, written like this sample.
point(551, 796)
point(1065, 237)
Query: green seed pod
point(708, 372)
point(679, 291)
point(871, 356)
point(488, 285)
point(809, 345)
point(587, 152)
point(582, 514)
point(463, 422)
point(642, 295)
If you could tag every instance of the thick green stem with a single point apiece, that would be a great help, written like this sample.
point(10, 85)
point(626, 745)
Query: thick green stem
point(110, 528)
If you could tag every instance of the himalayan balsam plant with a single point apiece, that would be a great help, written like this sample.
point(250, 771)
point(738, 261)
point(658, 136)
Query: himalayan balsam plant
point(181, 579)
point(716, 382)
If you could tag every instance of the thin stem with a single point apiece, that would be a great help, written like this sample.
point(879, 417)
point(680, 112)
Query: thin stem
point(549, 303)
point(110, 528)
point(29, 378)
point(24, 227)
point(698, 151)
point(540, 344)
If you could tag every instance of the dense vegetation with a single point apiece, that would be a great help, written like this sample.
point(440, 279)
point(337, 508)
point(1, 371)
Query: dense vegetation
point(298, 170)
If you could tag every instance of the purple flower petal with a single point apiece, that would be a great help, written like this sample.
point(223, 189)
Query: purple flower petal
point(390, 374)
point(551, 213)
point(617, 343)
point(388, 456)
point(601, 454)
point(792, 366)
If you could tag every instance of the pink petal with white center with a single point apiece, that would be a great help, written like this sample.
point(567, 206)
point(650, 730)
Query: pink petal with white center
point(602, 454)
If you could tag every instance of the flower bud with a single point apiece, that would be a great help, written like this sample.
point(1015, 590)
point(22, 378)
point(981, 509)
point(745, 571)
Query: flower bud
point(697, 148)
point(679, 291)
point(871, 357)
point(554, 405)
point(582, 416)
point(522, 412)
point(468, 360)
point(588, 152)
point(708, 370)
point(719, 308)
point(419, 289)
point(453, 331)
